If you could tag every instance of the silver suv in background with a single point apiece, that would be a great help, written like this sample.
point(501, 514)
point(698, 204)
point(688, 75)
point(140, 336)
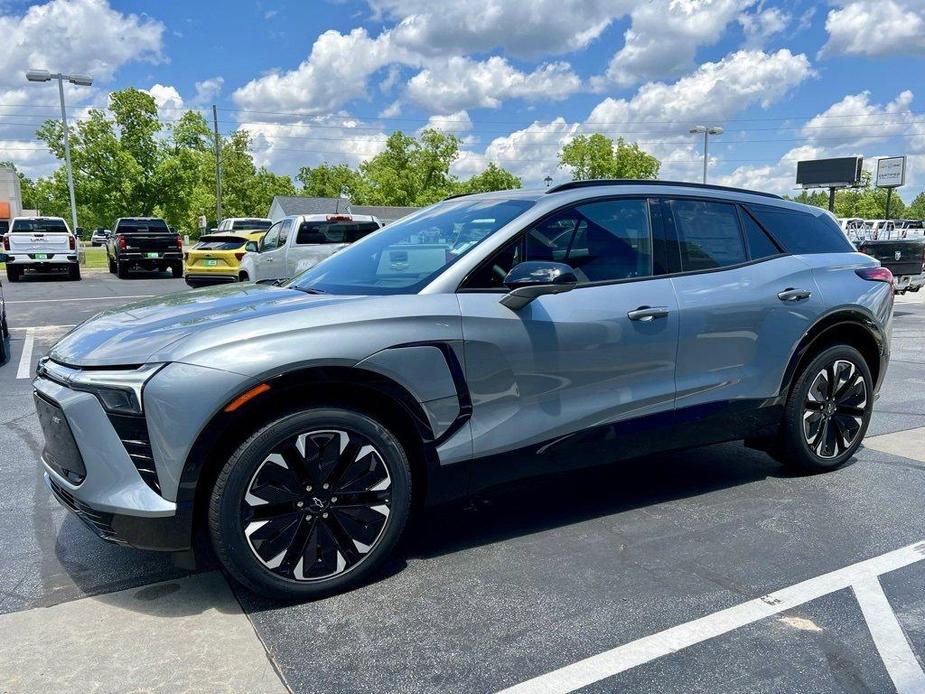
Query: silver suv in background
point(40, 243)
point(298, 242)
point(482, 340)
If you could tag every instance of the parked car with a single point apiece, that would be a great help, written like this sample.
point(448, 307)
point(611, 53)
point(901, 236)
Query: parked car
point(245, 224)
point(482, 340)
point(144, 243)
point(298, 242)
point(216, 258)
point(4, 328)
point(904, 257)
point(99, 236)
point(44, 244)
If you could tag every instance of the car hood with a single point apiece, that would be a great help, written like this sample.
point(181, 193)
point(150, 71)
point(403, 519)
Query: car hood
point(155, 329)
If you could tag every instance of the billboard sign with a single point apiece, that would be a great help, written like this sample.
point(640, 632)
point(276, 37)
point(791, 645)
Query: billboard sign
point(841, 172)
point(891, 172)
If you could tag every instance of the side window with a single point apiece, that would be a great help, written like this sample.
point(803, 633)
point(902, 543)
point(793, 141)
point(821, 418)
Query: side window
point(284, 232)
point(801, 232)
point(759, 244)
point(601, 241)
point(708, 233)
point(271, 238)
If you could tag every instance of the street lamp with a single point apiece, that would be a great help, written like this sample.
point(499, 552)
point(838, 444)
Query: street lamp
point(547, 181)
point(82, 81)
point(707, 131)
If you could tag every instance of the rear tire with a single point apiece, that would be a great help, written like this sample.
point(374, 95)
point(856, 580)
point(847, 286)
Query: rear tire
point(112, 265)
point(176, 269)
point(121, 270)
point(13, 273)
point(311, 504)
point(243, 277)
point(828, 411)
point(73, 272)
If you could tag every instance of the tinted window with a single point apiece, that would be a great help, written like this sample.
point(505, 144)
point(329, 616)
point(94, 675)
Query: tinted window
point(759, 245)
point(801, 232)
point(141, 226)
point(284, 232)
point(250, 224)
point(41, 226)
point(708, 233)
point(270, 240)
point(601, 241)
point(405, 256)
point(334, 232)
point(219, 243)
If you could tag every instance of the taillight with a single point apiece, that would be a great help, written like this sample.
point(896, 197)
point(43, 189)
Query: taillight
point(72, 242)
point(6, 243)
point(240, 256)
point(122, 244)
point(179, 243)
point(875, 274)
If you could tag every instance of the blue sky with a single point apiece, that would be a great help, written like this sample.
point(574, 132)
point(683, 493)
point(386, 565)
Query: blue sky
point(327, 81)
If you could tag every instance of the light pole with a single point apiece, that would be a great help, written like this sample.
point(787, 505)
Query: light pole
point(707, 130)
point(547, 181)
point(81, 80)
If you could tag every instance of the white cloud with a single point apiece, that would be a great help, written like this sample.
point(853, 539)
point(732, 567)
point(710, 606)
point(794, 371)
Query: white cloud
point(80, 36)
point(208, 90)
point(334, 73)
point(763, 24)
point(525, 29)
point(531, 152)
point(455, 123)
point(459, 82)
point(876, 28)
point(664, 37)
point(166, 97)
point(857, 123)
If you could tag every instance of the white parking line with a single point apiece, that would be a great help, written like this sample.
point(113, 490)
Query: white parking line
point(25, 359)
point(82, 298)
point(644, 650)
point(891, 642)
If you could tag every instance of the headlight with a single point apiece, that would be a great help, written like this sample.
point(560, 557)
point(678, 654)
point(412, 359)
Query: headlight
point(119, 391)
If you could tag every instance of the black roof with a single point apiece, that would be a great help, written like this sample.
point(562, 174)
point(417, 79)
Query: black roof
point(572, 185)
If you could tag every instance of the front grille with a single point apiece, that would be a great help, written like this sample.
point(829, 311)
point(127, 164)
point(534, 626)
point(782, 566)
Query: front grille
point(132, 430)
point(99, 522)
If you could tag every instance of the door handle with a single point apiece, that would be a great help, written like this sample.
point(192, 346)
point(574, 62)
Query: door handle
point(791, 294)
point(647, 313)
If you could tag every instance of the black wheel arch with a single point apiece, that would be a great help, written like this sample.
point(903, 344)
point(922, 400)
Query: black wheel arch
point(851, 326)
point(354, 388)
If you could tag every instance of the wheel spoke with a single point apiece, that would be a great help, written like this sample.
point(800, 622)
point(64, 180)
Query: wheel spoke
point(364, 499)
point(343, 540)
point(271, 511)
point(344, 461)
point(850, 411)
point(296, 550)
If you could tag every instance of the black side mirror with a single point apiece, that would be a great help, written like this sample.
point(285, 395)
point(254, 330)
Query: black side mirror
point(4, 257)
point(535, 278)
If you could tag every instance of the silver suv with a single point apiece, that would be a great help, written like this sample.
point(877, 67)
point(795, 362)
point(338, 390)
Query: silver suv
point(486, 338)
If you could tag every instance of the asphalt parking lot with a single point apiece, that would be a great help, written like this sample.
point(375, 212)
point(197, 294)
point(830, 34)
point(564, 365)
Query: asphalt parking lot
point(707, 570)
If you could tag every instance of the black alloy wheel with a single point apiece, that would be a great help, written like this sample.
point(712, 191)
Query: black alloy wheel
point(311, 503)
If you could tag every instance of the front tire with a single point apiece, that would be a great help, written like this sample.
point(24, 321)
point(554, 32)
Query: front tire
point(828, 411)
point(311, 504)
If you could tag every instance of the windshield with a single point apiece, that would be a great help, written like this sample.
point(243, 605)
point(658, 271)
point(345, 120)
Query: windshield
point(250, 224)
point(40, 226)
point(404, 257)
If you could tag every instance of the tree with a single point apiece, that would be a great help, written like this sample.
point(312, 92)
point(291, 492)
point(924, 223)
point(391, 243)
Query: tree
point(492, 178)
point(411, 171)
point(916, 210)
point(595, 156)
point(331, 181)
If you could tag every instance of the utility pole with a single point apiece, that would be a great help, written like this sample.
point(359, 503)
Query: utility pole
point(218, 168)
point(81, 80)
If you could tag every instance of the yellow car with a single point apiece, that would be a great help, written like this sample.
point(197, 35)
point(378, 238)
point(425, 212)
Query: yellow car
point(215, 258)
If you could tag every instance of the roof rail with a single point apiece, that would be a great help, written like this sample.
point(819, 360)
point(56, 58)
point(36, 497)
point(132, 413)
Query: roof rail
point(457, 195)
point(573, 185)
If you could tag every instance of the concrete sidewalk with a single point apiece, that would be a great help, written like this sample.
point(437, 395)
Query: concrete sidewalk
point(184, 635)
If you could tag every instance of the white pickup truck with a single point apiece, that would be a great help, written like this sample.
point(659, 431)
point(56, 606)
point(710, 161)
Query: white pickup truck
point(298, 242)
point(40, 243)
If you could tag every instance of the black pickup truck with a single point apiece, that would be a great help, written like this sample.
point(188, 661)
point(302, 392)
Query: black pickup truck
point(905, 258)
point(144, 243)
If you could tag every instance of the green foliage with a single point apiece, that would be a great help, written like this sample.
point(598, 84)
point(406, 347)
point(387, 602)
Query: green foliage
point(492, 178)
point(865, 202)
point(596, 156)
point(331, 181)
point(127, 163)
point(916, 209)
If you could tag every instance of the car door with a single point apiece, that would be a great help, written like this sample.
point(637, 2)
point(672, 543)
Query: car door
point(271, 261)
point(557, 375)
point(744, 305)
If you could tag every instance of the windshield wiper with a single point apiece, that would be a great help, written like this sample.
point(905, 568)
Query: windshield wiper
point(309, 290)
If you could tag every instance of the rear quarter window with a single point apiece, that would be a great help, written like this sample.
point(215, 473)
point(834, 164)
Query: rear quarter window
point(801, 232)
